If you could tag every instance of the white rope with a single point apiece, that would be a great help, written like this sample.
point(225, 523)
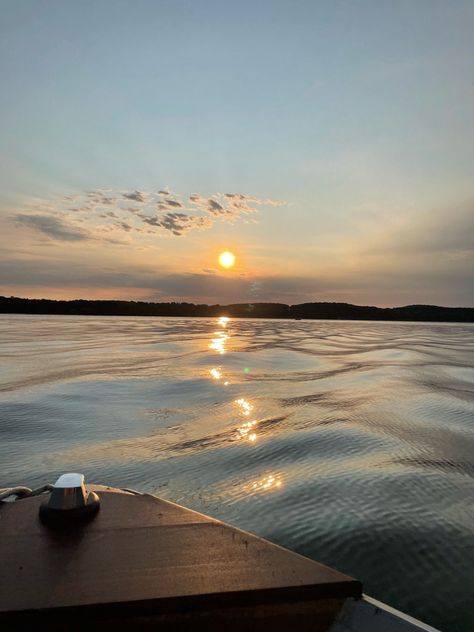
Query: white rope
point(23, 492)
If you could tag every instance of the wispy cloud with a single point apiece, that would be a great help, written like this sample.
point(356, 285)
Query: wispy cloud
point(93, 213)
point(424, 241)
point(101, 197)
point(230, 206)
point(52, 227)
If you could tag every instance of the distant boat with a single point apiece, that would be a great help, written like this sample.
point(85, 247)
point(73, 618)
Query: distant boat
point(106, 558)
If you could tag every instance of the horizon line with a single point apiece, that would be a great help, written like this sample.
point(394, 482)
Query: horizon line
point(237, 304)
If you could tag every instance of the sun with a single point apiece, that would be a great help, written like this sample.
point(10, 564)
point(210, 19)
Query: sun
point(227, 259)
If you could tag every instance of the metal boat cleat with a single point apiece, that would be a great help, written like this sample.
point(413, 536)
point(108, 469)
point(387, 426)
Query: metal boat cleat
point(70, 504)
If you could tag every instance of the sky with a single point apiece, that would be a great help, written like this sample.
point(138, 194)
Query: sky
point(328, 144)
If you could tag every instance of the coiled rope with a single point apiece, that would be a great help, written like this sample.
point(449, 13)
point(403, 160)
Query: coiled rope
point(17, 493)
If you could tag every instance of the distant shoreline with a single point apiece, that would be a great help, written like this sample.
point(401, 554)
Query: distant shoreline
point(307, 311)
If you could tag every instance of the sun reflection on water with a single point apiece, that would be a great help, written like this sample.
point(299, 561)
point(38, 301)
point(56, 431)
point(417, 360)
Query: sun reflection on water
point(247, 429)
point(218, 343)
point(270, 482)
point(216, 373)
point(245, 406)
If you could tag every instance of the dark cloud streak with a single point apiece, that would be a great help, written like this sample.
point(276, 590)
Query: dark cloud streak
point(52, 227)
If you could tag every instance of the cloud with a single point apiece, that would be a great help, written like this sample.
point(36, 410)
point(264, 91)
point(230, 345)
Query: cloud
point(159, 285)
point(439, 231)
point(255, 200)
point(162, 285)
point(173, 203)
point(445, 231)
point(134, 210)
point(100, 198)
point(136, 196)
point(179, 223)
point(215, 207)
point(230, 206)
point(52, 226)
point(164, 205)
point(105, 211)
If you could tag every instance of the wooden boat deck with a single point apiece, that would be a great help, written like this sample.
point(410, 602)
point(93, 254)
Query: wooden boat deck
point(151, 562)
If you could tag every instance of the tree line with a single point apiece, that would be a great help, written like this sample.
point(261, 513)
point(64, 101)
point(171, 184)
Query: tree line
point(335, 311)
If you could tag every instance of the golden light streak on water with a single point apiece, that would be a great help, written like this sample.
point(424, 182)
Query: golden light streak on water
point(218, 343)
point(270, 482)
point(223, 320)
point(245, 406)
point(216, 373)
point(247, 431)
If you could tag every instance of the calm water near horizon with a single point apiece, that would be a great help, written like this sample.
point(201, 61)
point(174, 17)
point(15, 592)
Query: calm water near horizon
point(350, 442)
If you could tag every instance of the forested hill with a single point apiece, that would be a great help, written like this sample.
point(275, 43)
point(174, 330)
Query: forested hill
point(341, 311)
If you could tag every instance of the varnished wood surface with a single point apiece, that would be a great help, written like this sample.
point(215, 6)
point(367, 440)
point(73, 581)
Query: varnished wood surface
point(147, 555)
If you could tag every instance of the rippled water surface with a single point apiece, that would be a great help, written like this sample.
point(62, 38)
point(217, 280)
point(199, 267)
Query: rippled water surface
point(350, 442)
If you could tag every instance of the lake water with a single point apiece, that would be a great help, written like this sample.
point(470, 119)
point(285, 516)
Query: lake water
point(350, 442)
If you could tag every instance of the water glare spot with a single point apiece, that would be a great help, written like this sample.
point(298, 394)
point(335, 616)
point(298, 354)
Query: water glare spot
point(270, 482)
point(247, 431)
point(245, 406)
point(216, 373)
point(223, 320)
point(218, 343)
